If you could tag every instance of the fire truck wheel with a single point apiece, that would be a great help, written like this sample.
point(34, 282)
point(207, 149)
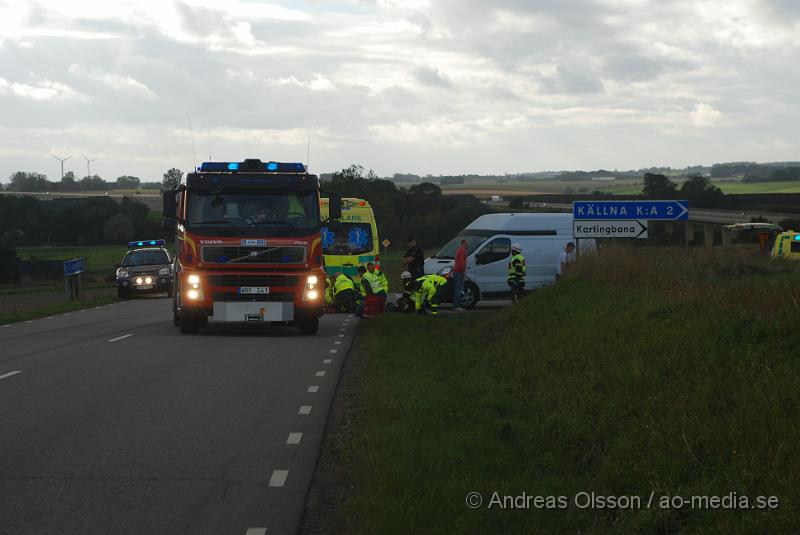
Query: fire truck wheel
point(309, 325)
point(189, 323)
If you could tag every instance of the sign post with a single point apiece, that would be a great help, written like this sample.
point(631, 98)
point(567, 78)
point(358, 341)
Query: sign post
point(385, 244)
point(73, 279)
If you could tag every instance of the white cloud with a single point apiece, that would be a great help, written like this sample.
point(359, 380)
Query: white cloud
point(704, 115)
point(42, 90)
point(117, 82)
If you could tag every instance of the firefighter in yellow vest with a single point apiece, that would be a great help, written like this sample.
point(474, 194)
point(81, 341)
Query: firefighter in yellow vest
point(516, 272)
point(344, 293)
point(377, 280)
point(383, 280)
point(430, 291)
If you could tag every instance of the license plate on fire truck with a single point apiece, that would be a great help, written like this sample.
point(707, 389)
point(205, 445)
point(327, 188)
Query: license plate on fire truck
point(254, 290)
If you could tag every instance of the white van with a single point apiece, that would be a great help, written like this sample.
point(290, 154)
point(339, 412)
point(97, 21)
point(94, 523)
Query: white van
point(489, 238)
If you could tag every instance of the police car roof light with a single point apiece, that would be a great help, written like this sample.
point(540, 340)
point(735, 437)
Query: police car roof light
point(233, 166)
point(147, 243)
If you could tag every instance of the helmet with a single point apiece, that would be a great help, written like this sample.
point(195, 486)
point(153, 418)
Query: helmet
point(516, 246)
point(406, 275)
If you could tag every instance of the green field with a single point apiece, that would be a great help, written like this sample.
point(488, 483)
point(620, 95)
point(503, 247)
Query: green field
point(664, 371)
point(619, 187)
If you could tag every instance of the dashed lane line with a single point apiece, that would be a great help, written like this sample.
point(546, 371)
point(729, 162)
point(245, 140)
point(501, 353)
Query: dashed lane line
point(118, 338)
point(333, 351)
point(327, 361)
point(313, 389)
point(9, 374)
point(304, 409)
point(320, 373)
point(256, 531)
point(294, 438)
point(278, 478)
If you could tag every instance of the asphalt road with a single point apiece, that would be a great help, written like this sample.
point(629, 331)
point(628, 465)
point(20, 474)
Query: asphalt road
point(111, 421)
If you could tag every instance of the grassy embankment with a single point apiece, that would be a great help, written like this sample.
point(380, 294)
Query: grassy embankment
point(99, 265)
point(670, 371)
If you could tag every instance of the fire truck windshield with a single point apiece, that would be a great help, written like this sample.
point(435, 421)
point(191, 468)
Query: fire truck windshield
point(254, 212)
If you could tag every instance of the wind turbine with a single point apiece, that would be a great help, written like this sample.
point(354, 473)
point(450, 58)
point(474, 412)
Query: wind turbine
point(89, 165)
point(62, 160)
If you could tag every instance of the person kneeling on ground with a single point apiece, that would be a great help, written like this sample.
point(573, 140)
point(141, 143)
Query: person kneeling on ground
point(431, 292)
point(345, 295)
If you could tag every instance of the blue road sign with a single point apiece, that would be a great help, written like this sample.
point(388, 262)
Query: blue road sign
point(74, 266)
point(657, 210)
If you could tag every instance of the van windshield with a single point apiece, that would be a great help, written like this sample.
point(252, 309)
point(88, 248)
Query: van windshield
point(474, 240)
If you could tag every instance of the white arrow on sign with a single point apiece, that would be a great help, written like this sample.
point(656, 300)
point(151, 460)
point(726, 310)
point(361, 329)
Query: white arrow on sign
point(632, 228)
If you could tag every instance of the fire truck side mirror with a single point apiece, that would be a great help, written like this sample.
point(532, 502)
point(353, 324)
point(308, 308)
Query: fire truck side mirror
point(169, 213)
point(334, 206)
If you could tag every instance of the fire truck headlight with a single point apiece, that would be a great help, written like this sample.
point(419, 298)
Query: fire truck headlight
point(193, 279)
point(312, 295)
point(148, 280)
point(193, 294)
point(138, 280)
point(312, 279)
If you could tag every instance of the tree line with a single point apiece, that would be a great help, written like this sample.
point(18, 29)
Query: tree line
point(26, 181)
point(89, 221)
point(420, 210)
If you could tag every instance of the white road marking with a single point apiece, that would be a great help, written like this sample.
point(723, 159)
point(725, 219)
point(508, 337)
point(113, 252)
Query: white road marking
point(340, 335)
point(9, 374)
point(350, 316)
point(337, 342)
point(278, 478)
point(313, 389)
point(294, 438)
point(327, 361)
point(118, 338)
point(343, 329)
point(304, 409)
point(50, 317)
point(29, 321)
point(320, 373)
point(7, 325)
point(82, 310)
point(256, 531)
point(333, 351)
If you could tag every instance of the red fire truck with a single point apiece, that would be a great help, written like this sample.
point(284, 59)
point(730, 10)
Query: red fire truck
point(248, 245)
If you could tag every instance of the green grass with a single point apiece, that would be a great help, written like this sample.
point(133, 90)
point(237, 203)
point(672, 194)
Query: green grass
point(625, 186)
point(668, 370)
point(99, 265)
point(50, 310)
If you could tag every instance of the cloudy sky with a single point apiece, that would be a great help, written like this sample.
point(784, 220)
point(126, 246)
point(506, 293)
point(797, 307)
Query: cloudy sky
point(422, 86)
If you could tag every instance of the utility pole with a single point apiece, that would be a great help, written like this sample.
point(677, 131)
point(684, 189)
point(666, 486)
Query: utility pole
point(62, 160)
point(89, 165)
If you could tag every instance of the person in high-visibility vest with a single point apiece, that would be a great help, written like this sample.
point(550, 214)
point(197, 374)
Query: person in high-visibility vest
point(344, 293)
point(377, 280)
point(381, 278)
point(430, 290)
point(516, 272)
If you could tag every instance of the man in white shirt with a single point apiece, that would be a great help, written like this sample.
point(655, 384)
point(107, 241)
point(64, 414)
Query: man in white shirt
point(566, 257)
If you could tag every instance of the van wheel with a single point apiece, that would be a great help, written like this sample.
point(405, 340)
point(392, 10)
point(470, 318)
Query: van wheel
point(470, 296)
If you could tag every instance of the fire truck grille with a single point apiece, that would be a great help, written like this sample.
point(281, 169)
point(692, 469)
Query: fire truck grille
point(254, 280)
point(254, 255)
point(280, 297)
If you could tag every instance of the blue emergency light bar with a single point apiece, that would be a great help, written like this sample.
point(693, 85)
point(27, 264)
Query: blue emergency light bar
point(797, 237)
point(147, 243)
point(252, 166)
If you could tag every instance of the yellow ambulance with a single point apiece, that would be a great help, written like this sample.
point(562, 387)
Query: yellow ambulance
point(355, 243)
point(787, 245)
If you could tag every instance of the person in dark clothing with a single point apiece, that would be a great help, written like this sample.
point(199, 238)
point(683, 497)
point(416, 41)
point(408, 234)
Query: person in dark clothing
point(414, 259)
